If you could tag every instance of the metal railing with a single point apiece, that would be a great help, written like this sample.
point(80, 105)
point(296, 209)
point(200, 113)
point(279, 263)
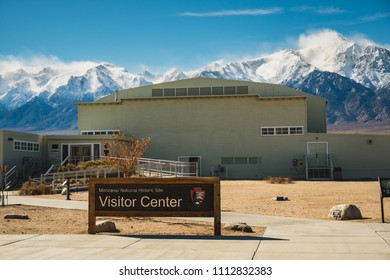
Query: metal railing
point(11, 177)
point(145, 167)
point(64, 161)
point(28, 168)
point(319, 171)
point(77, 159)
point(77, 177)
point(51, 168)
point(155, 167)
point(166, 168)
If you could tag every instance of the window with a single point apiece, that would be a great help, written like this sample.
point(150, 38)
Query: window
point(193, 91)
point(227, 160)
point(99, 132)
point(254, 160)
point(267, 131)
point(157, 92)
point(217, 90)
point(296, 130)
point(205, 91)
point(169, 92)
point(28, 146)
point(281, 130)
point(181, 92)
point(230, 90)
point(200, 91)
point(240, 160)
point(242, 90)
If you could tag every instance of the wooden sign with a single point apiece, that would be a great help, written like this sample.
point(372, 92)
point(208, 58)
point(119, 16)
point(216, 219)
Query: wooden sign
point(155, 197)
point(384, 184)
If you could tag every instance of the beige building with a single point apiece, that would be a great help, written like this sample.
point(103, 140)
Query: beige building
point(19, 151)
point(231, 129)
point(26, 154)
point(238, 129)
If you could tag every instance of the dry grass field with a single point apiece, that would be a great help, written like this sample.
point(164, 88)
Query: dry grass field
point(305, 200)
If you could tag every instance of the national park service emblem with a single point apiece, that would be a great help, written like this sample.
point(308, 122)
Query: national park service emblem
point(197, 196)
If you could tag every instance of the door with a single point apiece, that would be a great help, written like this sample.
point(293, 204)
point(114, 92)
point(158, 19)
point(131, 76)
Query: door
point(65, 152)
point(194, 165)
point(80, 153)
point(193, 168)
point(317, 154)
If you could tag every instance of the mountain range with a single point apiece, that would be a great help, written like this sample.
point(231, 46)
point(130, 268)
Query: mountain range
point(353, 76)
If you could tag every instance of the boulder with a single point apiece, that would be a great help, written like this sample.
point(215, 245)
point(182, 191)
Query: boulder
point(280, 198)
point(345, 212)
point(105, 226)
point(16, 216)
point(238, 227)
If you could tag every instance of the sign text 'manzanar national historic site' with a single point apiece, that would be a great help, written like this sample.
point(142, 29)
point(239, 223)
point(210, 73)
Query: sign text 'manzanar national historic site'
point(176, 197)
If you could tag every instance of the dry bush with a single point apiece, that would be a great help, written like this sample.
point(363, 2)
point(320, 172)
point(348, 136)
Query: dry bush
point(279, 180)
point(83, 165)
point(124, 153)
point(92, 164)
point(28, 189)
point(68, 167)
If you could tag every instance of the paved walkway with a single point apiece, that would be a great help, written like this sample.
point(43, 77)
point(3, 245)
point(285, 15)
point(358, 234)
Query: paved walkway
point(284, 239)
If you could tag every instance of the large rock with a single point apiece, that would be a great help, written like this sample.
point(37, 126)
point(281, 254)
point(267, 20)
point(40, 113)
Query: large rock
point(238, 227)
point(16, 216)
point(345, 212)
point(105, 226)
point(280, 198)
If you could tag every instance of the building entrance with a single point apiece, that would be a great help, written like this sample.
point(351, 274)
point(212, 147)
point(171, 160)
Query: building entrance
point(80, 152)
point(194, 166)
point(319, 164)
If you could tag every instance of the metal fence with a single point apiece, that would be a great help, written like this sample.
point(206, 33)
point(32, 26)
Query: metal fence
point(146, 167)
point(10, 177)
point(78, 178)
point(166, 168)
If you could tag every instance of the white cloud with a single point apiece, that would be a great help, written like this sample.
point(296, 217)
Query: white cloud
point(327, 38)
point(329, 10)
point(319, 10)
point(250, 12)
point(376, 17)
point(362, 39)
point(318, 38)
point(36, 63)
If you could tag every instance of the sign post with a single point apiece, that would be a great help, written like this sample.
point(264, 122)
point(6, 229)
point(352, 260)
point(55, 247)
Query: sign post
point(155, 197)
point(384, 184)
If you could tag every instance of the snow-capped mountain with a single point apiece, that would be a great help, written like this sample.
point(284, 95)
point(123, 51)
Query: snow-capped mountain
point(353, 76)
point(46, 100)
point(364, 63)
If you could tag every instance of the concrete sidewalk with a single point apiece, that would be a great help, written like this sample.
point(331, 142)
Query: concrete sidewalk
point(284, 239)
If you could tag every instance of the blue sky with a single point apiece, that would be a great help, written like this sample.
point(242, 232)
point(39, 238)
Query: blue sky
point(187, 34)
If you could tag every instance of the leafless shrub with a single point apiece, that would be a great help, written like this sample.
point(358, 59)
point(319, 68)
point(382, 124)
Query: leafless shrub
point(28, 189)
point(279, 180)
point(124, 153)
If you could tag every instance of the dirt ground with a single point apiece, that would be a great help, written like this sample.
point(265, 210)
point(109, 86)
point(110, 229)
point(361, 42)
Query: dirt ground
point(305, 200)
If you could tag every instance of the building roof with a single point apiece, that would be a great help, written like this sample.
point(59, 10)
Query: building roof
point(204, 87)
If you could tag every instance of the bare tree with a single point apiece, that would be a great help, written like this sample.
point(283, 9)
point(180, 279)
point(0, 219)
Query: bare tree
point(124, 153)
point(3, 171)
